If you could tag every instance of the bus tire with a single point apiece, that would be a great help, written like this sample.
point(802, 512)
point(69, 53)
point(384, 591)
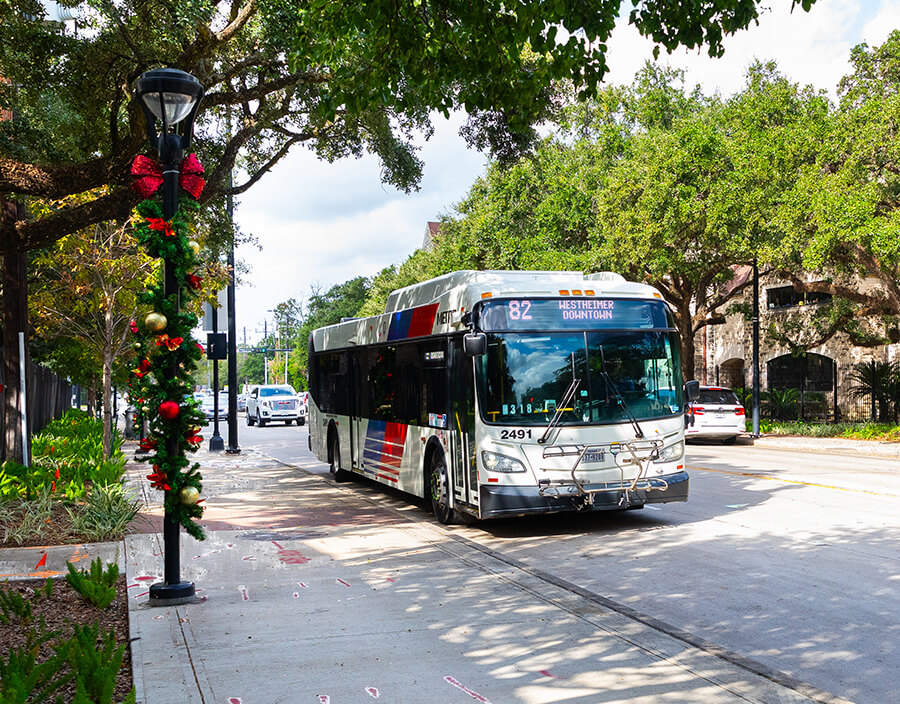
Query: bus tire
point(340, 475)
point(439, 490)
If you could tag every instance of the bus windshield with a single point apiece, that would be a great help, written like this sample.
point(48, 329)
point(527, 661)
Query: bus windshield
point(524, 375)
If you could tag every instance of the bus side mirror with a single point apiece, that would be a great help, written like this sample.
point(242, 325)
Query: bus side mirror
point(475, 344)
point(691, 390)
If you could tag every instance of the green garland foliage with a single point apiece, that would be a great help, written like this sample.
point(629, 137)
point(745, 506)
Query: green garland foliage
point(165, 359)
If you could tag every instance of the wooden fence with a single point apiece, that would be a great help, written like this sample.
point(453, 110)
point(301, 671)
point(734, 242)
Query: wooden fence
point(48, 396)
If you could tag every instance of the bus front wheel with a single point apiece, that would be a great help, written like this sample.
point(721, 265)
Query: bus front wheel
point(439, 490)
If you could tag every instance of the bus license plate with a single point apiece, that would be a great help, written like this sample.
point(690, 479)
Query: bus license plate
point(594, 456)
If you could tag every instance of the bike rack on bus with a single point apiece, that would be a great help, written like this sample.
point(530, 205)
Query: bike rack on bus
point(625, 454)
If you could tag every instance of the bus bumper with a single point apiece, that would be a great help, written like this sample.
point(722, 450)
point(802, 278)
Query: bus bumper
point(505, 501)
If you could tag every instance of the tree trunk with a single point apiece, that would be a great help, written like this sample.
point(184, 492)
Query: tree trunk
point(15, 320)
point(687, 354)
point(92, 398)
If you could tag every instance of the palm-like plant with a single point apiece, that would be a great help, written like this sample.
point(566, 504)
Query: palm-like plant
point(880, 383)
point(782, 404)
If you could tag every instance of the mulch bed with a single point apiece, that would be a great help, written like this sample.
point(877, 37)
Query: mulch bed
point(56, 531)
point(64, 609)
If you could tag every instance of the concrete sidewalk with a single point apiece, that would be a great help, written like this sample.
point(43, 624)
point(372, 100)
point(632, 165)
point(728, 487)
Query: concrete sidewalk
point(309, 592)
point(832, 446)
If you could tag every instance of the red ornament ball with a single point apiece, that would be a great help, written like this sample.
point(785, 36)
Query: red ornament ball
point(169, 410)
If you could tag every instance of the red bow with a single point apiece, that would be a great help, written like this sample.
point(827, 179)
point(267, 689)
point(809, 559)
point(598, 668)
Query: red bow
point(149, 175)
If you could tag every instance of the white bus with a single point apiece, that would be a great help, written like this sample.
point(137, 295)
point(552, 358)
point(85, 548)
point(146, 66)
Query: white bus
point(507, 393)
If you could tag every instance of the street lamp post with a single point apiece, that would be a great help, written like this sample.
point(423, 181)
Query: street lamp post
point(172, 97)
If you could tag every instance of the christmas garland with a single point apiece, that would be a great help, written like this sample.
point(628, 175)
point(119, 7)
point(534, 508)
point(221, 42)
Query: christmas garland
point(166, 355)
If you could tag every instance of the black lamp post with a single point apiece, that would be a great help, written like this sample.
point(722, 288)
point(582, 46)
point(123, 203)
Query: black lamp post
point(172, 97)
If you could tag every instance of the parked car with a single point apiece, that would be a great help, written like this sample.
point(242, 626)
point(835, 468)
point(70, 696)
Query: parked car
point(208, 408)
point(717, 413)
point(275, 402)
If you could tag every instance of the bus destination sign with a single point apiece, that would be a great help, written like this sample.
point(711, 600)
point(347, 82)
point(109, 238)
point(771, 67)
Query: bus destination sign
point(571, 314)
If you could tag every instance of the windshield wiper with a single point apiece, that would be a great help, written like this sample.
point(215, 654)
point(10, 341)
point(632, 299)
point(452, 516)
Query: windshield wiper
point(560, 409)
point(637, 428)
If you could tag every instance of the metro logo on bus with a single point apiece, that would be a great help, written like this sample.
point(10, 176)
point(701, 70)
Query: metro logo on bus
point(414, 322)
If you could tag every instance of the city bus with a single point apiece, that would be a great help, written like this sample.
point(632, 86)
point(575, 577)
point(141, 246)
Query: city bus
point(495, 394)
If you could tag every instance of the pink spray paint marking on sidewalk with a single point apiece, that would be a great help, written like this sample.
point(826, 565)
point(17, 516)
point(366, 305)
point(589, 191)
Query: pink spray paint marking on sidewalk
point(547, 673)
point(324, 699)
point(459, 685)
point(234, 700)
point(341, 581)
point(244, 595)
point(290, 557)
point(372, 692)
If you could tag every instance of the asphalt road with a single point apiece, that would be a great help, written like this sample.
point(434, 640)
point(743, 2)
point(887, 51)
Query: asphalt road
point(790, 558)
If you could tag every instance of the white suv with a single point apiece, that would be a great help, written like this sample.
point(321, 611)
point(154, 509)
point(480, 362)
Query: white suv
point(275, 402)
point(717, 413)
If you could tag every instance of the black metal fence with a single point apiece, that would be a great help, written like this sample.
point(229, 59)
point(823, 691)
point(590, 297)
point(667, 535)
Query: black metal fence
point(817, 389)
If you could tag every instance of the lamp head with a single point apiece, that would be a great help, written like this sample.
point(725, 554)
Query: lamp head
point(171, 96)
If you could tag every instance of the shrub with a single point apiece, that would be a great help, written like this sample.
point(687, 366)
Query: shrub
point(22, 519)
point(104, 514)
point(23, 679)
point(95, 662)
point(97, 586)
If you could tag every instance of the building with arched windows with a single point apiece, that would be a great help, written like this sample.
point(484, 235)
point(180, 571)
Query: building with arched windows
point(826, 383)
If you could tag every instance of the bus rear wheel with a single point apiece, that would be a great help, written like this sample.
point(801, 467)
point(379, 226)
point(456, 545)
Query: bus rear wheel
point(340, 475)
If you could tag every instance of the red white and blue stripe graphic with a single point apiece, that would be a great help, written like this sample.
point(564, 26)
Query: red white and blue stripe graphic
point(413, 322)
point(383, 449)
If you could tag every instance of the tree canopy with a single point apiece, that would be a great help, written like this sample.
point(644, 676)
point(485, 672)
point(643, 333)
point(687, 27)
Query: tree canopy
point(341, 79)
point(841, 218)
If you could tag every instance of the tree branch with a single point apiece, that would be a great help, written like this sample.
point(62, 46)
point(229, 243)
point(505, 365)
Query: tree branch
point(237, 190)
point(23, 235)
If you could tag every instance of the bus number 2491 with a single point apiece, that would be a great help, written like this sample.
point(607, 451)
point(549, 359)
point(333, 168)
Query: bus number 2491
point(515, 434)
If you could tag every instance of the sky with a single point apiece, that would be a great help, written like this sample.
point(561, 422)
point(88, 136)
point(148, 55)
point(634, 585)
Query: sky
point(321, 224)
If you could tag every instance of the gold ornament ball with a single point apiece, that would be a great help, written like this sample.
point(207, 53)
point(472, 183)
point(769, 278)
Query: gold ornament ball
point(189, 495)
point(155, 322)
point(194, 246)
point(145, 409)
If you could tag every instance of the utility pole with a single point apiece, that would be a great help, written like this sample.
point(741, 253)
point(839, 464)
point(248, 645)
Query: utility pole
point(755, 321)
point(233, 448)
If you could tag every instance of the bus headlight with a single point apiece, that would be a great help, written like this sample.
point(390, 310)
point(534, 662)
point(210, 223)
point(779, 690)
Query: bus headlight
point(501, 463)
point(672, 453)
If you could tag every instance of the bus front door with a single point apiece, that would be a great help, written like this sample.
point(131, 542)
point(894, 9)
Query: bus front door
point(462, 414)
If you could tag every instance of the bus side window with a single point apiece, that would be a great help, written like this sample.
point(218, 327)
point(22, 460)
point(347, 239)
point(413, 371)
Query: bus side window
point(433, 396)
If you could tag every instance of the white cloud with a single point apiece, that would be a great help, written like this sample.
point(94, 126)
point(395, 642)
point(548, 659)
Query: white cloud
point(326, 223)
